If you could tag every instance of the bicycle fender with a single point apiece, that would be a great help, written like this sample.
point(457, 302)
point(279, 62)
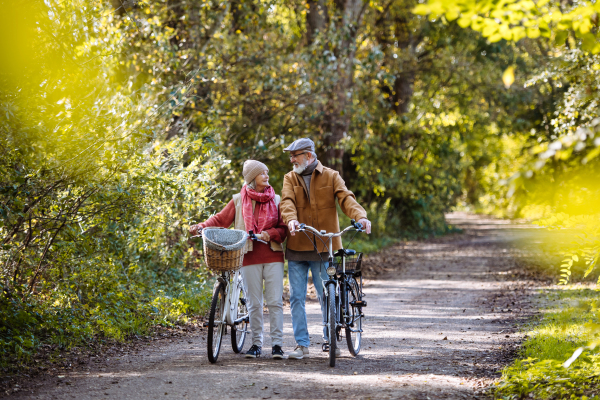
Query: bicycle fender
point(325, 283)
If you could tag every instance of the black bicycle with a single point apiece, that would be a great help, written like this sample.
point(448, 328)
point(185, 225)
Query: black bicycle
point(343, 292)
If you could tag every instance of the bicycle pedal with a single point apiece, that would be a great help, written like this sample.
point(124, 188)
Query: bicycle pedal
point(205, 324)
point(358, 303)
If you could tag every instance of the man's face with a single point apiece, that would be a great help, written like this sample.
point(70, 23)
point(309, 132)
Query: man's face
point(300, 160)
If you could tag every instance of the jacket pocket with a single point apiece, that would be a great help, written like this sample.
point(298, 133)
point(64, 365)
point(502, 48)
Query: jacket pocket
point(300, 197)
point(325, 198)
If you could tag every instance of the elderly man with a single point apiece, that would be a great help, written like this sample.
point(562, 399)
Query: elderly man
point(308, 196)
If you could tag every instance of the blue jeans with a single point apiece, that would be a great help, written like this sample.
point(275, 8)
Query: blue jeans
point(298, 275)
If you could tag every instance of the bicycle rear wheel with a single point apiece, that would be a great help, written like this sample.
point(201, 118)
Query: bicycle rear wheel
point(331, 323)
point(238, 332)
point(354, 324)
point(216, 325)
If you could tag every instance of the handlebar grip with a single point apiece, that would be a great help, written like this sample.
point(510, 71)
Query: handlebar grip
point(355, 224)
point(302, 226)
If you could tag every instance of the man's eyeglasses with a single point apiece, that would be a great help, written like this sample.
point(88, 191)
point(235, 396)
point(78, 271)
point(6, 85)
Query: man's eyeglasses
point(292, 156)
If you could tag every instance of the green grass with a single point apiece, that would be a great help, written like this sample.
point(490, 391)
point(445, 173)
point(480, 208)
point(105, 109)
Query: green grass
point(538, 372)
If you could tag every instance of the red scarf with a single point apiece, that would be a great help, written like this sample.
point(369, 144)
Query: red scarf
point(267, 213)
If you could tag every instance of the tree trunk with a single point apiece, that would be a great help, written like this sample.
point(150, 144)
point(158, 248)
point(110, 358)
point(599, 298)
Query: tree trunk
point(316, 19)
point(337, 120)
point(403, 91)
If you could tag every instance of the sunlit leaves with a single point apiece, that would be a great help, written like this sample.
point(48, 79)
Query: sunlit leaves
point(517, 19)
point(508, 77)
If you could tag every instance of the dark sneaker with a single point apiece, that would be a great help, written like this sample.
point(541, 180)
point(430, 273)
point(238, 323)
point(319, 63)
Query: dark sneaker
point(253, 352)
point(325, 347)
point(277, 352)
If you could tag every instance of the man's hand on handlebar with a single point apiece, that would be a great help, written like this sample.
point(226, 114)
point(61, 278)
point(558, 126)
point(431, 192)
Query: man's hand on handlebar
point(292, 225)
point(366, 225)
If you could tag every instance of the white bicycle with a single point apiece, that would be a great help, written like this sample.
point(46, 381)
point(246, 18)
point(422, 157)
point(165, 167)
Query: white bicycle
point(228, 308)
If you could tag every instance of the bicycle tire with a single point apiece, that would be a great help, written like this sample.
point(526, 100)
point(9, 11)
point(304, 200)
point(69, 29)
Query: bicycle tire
point(215, 333)
point(353, 339)
point(238, 332)
point(331, 323)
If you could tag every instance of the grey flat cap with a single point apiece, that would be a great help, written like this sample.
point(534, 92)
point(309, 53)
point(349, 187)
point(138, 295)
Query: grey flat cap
point(301, 144)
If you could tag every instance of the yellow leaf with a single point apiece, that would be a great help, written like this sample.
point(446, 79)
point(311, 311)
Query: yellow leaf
point(421, 9)
point(451, 15)
point(533, 33)
point(495, 38)
point(464, 22)
point(508, 77)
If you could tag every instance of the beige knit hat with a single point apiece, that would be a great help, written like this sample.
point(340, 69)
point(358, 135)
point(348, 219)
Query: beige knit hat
point(252, 169)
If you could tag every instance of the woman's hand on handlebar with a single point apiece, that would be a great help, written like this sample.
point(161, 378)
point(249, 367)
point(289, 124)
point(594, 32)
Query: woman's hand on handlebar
point(264, 236)
point(195, 230)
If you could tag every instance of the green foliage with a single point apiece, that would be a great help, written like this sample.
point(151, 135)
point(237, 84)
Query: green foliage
point(539, 370)
point(517, 19)
point(94, 202)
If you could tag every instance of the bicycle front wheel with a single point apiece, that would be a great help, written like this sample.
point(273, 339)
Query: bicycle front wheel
point(354, 322)
point(331, 323)
point(238, 331)
point(216, 325)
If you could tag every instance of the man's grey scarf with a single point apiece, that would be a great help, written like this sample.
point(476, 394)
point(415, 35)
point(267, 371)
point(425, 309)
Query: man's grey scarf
point(307, 174)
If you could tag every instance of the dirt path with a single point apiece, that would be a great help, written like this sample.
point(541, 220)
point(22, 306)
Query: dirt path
point(441, 321)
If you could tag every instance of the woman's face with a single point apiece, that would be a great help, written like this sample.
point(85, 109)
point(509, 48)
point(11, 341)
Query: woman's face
point(262, 180)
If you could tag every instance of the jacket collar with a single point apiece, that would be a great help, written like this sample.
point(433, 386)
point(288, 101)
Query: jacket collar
point(319, 167)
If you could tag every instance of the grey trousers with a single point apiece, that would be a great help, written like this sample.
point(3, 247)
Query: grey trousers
point(253, 276)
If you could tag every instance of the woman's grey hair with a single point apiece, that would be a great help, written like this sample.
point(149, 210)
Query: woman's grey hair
point(252, 185)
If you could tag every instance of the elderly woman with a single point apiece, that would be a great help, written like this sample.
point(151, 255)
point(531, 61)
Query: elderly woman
point(256, 208)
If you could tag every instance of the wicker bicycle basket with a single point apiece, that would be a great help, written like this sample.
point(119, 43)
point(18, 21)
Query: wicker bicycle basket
point(353, 264)
point(224, 248)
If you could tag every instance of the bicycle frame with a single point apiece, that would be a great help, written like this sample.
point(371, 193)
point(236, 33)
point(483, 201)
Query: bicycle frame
point(233, 285)
point(341, 300)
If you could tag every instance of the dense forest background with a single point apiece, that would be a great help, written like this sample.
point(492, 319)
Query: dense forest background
point(123, 122)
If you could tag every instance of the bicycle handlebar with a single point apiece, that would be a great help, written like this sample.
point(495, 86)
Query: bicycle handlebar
point(252, 236)
point(354, 224)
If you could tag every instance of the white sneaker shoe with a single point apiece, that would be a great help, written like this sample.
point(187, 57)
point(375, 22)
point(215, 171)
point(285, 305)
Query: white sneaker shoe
point(299, 353)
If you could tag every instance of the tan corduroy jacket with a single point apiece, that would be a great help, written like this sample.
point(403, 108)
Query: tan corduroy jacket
point(319, 211)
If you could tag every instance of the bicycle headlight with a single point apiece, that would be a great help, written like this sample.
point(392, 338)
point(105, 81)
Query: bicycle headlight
point(331, 270)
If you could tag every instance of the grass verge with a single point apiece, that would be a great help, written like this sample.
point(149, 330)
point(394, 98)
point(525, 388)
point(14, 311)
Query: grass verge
point(538, 372)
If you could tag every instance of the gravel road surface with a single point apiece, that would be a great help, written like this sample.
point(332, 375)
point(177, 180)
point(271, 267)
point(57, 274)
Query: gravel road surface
point(441, 321)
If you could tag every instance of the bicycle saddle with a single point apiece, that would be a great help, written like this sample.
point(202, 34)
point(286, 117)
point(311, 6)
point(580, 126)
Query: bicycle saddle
point(346, 252)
